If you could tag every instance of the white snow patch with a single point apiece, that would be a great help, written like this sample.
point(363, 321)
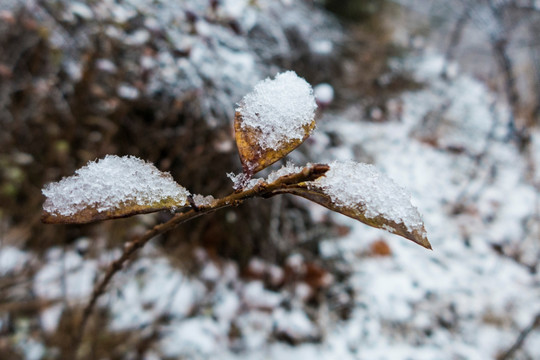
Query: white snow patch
point(256, 296)
point(127, 92)
point(324, 93)
point(288, 169)
point(294, 323)
point(201, 200)
point(50, 317)
point(322, 47)
point(107, 183)
point(106, 65)
point(82, 10)
point(11, 259)
point(279, 109)
point(153, 289)
point(32, 349)
point(69, 275)
point(192, 339)
point(227, 306)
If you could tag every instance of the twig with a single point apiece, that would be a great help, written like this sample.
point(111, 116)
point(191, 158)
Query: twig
point(262, 189)
point(455, 39)
point(508, 354)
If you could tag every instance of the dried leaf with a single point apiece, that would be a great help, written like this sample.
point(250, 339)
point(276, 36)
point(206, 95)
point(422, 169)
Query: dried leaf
point(272, 120)
point(254, 158)
point(110, 188)
point(362, 193)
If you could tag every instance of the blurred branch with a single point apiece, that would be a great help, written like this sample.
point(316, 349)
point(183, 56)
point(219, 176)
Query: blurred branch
point(455, 39)
point(499, 46)
point(509, 354)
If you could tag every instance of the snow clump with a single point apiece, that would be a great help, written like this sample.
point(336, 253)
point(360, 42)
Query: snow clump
point(350, 184)
point(108, 183)
point(279, 109)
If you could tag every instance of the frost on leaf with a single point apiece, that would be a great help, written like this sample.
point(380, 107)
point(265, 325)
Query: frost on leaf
point(274, 119)
point(110, 188)
point(361, 192)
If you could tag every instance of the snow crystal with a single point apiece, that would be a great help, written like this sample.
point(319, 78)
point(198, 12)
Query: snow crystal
point(283, 171)
point(201, 200)
point(351, 184)
point(239, 180)
point(109, 182)
point(279, 109)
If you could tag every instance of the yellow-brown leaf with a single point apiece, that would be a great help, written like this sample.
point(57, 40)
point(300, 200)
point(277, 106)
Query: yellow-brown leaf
point(254, 158)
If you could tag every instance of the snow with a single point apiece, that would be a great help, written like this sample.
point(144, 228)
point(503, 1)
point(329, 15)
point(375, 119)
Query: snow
point(65, 275)
point(32, 349)
point(255, 296)
point(287, 169)
point(201, 200)
point(323, 47)
point(295, 324)
point(108, 183)
point(106, 65)
point(50, 317)
point(361, 186)
point(158, 290)
point(324, 93)
point(279, 109)
point(227, 306)
point(192, 339)
point(12, 259)
point(82, 10)
point(128, 92)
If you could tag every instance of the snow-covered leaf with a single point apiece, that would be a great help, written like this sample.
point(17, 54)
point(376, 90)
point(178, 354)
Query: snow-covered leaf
point(361, 192)
point(274, 119)
point(110, 188)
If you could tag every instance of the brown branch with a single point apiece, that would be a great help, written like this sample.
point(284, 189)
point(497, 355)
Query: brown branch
point(262, 189)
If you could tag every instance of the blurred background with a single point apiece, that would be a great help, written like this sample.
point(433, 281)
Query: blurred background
point(442, 96)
